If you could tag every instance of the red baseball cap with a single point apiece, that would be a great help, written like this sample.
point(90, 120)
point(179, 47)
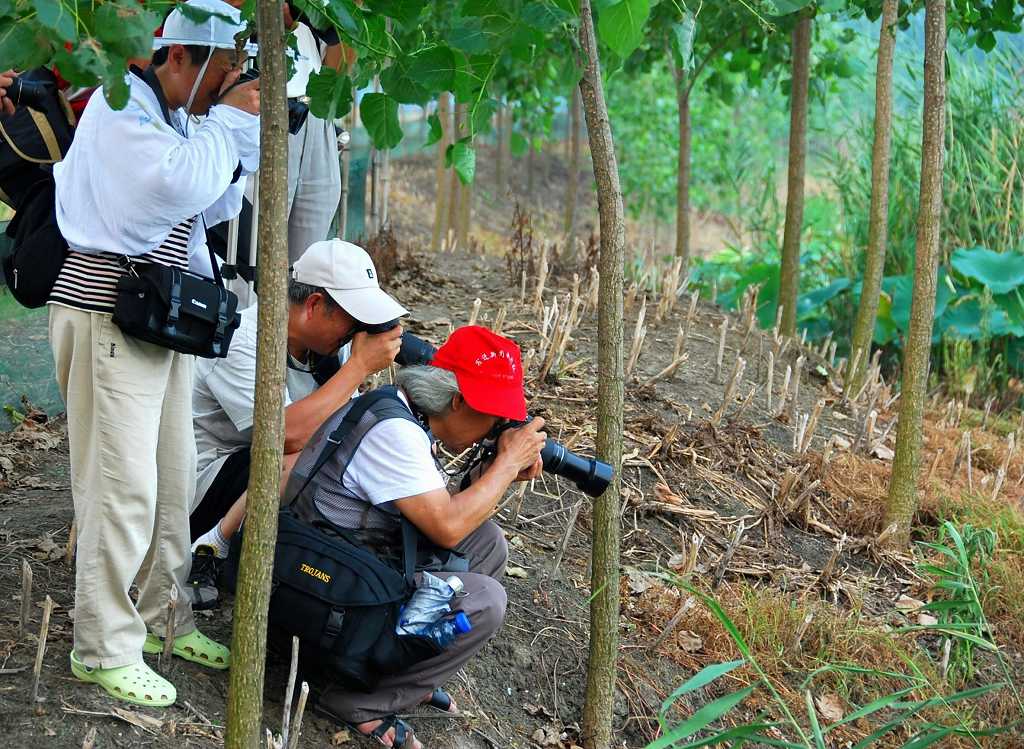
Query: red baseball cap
point(488, 368)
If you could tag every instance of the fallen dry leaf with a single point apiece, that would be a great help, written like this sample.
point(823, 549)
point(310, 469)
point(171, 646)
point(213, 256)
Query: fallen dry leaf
point(143, 721)
point(663, 494)
point(638, 581)
point(677, 561)
point(883, 452)
point(513, 571)
point(926, 620)
point(545, 737)
point(537, 711)
point(906, 603)
point(689, 641)
point(341, 737)
point(830, 707)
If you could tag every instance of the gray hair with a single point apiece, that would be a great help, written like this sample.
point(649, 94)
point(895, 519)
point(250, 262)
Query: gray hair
point(431, 389)
point(299, 292)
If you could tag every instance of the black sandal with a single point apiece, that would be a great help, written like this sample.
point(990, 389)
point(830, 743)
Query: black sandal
point(440, 700)
point(403, 732)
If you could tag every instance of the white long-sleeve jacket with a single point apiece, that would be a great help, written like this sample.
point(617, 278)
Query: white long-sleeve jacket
point(129, 177)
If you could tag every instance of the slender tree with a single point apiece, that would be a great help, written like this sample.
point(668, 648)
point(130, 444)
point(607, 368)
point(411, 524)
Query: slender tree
point(789, 280)
point(499, 147)
point(604, 602)
point(455, 189)
point(878, 221)
point(573, 179)
point(441, 199)
point(249, 635)
point(902, 501)
point(683, 179)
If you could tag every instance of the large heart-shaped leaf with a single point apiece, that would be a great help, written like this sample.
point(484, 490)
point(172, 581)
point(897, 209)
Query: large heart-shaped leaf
point(380, 116)
point(436, 131)
point(406, 12)
point(23, 44)
point(972, 320)
point(411, 79)
point(1001, 272)
point(621, 26)
point(330, 94)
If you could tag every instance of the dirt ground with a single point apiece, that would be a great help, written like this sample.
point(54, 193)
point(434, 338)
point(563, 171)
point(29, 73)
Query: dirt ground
point(681, 475)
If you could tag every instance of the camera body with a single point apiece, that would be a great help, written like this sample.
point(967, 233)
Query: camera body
point(298, 108)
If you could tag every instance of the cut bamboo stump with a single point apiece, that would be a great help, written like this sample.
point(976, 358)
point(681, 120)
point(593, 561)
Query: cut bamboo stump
point(26, 597)
point(721, 348)
point(300, 710)
point(730, 551)
point(44, 630)
point(69, 552)
point(164, 663)
point(475, 311)
point(569, 527)
point(730, 390)
point(289, 691)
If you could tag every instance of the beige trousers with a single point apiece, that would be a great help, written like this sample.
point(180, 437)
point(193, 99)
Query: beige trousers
point(133, 465)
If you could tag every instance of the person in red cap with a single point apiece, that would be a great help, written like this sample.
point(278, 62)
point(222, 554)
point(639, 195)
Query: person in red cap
point(473, 384)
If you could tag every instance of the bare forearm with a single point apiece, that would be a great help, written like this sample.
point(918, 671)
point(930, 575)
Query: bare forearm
point(474, 505)
point(302, 418)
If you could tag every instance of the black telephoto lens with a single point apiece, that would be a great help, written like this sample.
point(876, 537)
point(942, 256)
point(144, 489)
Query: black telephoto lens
point(590, 475)
point(27, 93)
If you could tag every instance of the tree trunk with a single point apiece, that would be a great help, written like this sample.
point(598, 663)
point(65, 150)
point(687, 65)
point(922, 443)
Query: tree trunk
point(878, 226)
point(346, 162)
point(573, 180)
point(903, 484)
point(385, 187)
point(441, 199)
point(531, 172)
point(604, 602)
point(465, 214)
point(683, 178)
point(499, 171)
point(455, 193)
point(249, 635)
point(789, 280)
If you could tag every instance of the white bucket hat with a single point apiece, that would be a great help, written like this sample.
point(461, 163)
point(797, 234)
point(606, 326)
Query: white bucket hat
point(346, 272)
point(218, 30)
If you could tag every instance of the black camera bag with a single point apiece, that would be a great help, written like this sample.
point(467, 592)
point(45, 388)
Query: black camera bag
point(176, 309)
point(341, 600)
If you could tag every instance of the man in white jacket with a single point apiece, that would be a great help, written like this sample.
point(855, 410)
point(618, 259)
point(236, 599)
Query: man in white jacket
point(142, 181)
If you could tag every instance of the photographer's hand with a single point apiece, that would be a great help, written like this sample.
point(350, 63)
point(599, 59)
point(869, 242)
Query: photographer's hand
point(6, 80)
point(245, 96)
point(375, 352)
point(519, 449)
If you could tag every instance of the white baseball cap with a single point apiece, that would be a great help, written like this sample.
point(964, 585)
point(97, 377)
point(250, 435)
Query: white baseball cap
point(218, 29)
point(346, 272)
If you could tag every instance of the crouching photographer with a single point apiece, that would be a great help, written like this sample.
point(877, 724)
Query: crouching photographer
point(370, 532)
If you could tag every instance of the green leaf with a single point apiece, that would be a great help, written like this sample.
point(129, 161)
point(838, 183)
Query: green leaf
point(682, 41)
point(702, 678)
point(330, 94)
point(482, 115)
point(873, 707)
point(115, 86)
point(436, 131)
point(468, 35)
point(1001, 272)
point(986, 40)
point(545, 16)
point(54, 15)
point(380, 116)
point(812, 716)
point(23, 45)
point(621, 26)
point(462, 156)
point(412, 79)
point(928, 737)
point(785, 7)
point(701, 718)
point(518, 144)
point(406, 12)
point(126, 27)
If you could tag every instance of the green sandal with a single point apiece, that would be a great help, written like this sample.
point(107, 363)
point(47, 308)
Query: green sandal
point(136, 683)
point(195, 647)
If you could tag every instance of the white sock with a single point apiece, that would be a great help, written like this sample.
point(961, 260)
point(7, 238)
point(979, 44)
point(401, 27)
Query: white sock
point(215, 540)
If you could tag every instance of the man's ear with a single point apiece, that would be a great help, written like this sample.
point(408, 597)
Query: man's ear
point(458, 402)
point(178, 57)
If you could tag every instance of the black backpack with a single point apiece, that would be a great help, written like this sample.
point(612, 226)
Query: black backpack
point(339, 598)
point(39, 249)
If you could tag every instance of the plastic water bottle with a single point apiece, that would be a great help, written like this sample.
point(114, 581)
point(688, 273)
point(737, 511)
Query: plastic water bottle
point(444, 631)
point(428, 604)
